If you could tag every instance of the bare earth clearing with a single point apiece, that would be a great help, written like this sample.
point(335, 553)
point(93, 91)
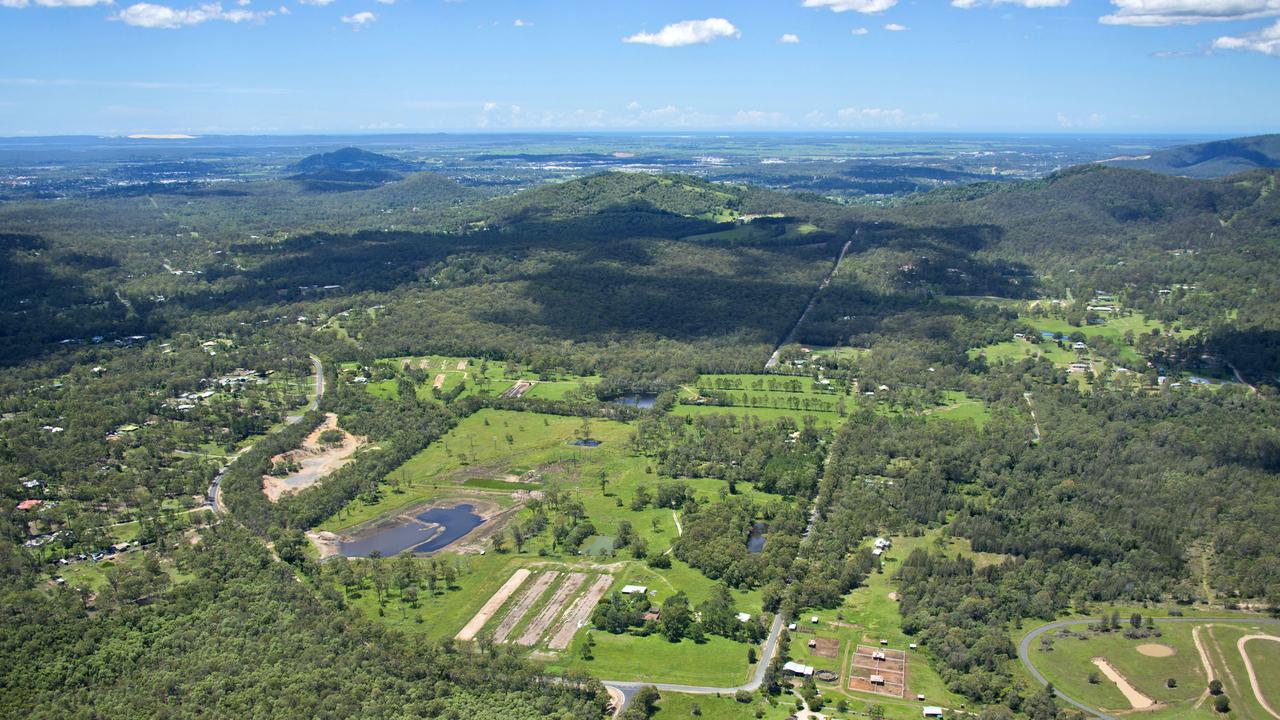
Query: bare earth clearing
point(473, 626)
point(1156, 650)
point(552, 609)
point(523, 604)
point(579, 612)
point(315, 461)
point(1135, 698)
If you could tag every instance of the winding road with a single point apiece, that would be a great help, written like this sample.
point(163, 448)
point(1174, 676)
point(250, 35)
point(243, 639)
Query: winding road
point(215, 488)
point(1024, 648)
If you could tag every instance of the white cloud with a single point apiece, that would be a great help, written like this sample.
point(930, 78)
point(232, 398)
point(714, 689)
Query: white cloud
point(860, 31)
point(633, 106)
point(862, 6)
point(150, 15)
point(53, 3)
point(789, 39)
point(1092, 120)
point(895, 27)
point(967, 4)
point(872, 118)
point(1155, 13)
point(321, 3)
point(760, 118)
point(689, 32)
point(359, 20)
point(1265, 41)
point(522, 23)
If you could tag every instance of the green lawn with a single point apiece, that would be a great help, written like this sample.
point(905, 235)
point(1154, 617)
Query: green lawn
point(674, 706)
point(653, 658)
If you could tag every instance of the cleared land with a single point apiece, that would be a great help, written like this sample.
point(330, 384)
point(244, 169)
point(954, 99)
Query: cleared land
point(315, 461)
point(579, 613)
point(523, 604)
point(482, 617)
point(878, 670)
point(551, 610)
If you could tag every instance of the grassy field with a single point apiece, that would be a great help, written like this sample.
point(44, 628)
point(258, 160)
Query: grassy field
point(960, 406)
point(717, 661)
point(1069, 666)
point(710, 707)
point(768, 397)
point(480, 376)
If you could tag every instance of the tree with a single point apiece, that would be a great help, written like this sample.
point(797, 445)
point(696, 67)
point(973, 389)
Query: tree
point(1215, 687)
point(1135, 621)
point(1042, 705)
point(751, 655)
point(1222, 704)
point(675, 618)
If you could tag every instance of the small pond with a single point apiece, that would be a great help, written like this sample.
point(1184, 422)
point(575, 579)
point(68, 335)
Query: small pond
point(586, 443)
point(755, 541)
point(429, 530)
point(644, 401)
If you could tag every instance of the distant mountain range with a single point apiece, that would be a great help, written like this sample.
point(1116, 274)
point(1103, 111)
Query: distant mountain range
point(1209, 160)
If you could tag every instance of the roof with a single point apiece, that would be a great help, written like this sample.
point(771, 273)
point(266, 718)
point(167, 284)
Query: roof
point(743, 617)
point(932, 710)
point(28, 504)
point(792, 666)
point(635, 589)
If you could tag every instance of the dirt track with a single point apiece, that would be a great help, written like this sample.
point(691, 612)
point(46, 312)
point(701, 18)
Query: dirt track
point(1136, 699)
point(552, 609)
point(523, 604)
point(579, 612)
point(473, 626)
point(1253, 677)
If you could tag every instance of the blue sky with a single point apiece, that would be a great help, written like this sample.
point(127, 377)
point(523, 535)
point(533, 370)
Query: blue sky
point(287, 66)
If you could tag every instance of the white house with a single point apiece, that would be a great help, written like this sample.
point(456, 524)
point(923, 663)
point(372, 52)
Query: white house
point(635, 590)
point(743, 617)
point(932, 711)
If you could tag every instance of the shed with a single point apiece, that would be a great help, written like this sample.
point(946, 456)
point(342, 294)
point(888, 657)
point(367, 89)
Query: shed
point(635, 589)
point(743, 617)
point(795, 668)
point(932, 711)
point(876, 679)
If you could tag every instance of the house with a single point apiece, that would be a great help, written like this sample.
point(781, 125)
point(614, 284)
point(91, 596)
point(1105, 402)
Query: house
point(744, 617)
point(635, 590)
point(913, 646)
point(920, 696)
point(813, 619)
point(884, 642)
point(29, 504)
point(877, 552)
point(877, 655)
point(882, 543)
point(651, 615)
point(1079, 345)
point(932, 711)
point(795, 668)
point(791, 627)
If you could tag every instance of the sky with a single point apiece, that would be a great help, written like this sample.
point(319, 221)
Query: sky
point(120, 67)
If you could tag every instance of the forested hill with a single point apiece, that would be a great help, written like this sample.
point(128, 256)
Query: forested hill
point(1210, 160)
point(1200, 252)
point(351, 159)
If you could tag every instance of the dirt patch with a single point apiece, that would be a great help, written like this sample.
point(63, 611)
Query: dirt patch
point(439, 382)
point(826, 647)
point(325, 542)
point(579, 612)
point(315, 461)
point(552, 610)
point(495, 601)
point(1156, 650)
point(462, 364)
point(1136, 699)
point(893, 596)
point(878, 670)
point(523, 604)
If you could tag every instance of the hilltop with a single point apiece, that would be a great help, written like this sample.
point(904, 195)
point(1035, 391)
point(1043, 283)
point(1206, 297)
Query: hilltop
point(349, 169)
point(1210, 160)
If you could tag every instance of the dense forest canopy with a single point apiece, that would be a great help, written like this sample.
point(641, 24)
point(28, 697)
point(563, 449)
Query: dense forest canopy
point(156, 346)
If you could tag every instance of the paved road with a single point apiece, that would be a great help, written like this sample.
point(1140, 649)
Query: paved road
point(791, 334)
point(1024, 648)
point(215, 488)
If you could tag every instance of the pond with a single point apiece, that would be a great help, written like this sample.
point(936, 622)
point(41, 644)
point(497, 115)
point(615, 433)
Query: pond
point(755, 541)
point(429, 530)
point(644, 401)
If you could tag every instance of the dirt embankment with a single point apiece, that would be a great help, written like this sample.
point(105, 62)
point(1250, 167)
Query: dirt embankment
point(1135, 697)
point(314, 461)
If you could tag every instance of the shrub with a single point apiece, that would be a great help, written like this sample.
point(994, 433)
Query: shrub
point(1221, 704)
